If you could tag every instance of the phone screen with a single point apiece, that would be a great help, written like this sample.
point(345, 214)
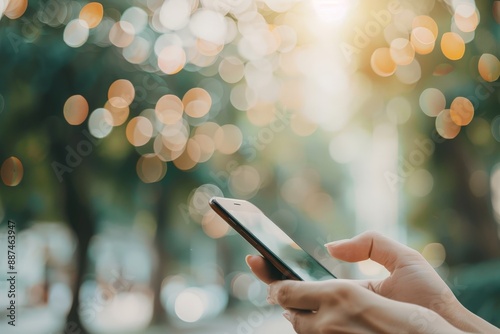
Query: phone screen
point(277, 242)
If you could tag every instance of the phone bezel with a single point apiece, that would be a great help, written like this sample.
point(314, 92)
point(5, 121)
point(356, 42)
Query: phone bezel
point(242, 205)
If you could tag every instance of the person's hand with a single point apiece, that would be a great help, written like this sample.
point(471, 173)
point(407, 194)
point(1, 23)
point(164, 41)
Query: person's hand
point(342, 306)
point(412, 279)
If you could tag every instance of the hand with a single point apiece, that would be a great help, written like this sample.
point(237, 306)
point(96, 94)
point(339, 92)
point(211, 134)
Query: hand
point(342, 306)
point(412, 279)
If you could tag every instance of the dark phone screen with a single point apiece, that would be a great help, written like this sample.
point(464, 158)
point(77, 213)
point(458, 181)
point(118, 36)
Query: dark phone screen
point(279, 243)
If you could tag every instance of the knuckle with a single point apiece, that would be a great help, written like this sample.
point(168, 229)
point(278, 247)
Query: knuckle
point(371, 234)
point(283, 294)
point(344, 291)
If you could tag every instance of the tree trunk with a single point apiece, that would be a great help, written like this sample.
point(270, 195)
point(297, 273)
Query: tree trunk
point(476, 226)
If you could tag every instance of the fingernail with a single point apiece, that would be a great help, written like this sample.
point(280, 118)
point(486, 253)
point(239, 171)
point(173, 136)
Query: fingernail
point(246, 260)
point(286, 314)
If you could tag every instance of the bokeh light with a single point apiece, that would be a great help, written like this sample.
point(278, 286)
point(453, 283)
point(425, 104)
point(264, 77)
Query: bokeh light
point(92, 13)
point(435, 254)
point(287, 38)
point(432, 101)
point(243, 97)
point(207, 48)
point(172, 59)
point(409, 74)
point(76, 110)
point(139, 131)
point(184, 161)
point(208, 128)
point(100, 123)
point(76, 33)
point(119, 115)
point(261, 114)
point(461, 111)
point(138, 51)
point(12, 171)
point(402, 51)
point(420, 183)
point(193, 150)
point(301, 126)
point(244, 182)
point(171, 141)
point(489, 67)
point(443, 69)
point(190, 305)
point(427, 22)
point(150, 168)
point(423, 40)
point(467, 37)
point(174, 14)
point(496, 11)
point(495, 128)
point(197, 102)
point(214, 226)
point(445, 125)
point(206, 147)
point(169, 109)
point(121, 93)
point(228, 139)
point(208, 25)
point(15, 8)
point(452, 46)
point(137, 17)
point(231, 69)
point(479, 132)
point(466, 17)
point(122, 34)
point(382, 63)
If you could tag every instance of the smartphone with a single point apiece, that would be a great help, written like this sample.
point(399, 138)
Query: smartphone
point(271, 241)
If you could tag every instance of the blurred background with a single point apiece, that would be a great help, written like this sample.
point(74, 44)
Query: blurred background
point(119, 119)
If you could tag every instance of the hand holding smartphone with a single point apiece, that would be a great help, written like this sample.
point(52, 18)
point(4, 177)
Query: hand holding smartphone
point(265, 236)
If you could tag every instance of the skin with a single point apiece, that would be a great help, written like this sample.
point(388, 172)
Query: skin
point(413, 299)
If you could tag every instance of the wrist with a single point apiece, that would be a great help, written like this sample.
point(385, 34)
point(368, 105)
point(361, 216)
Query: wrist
point(470, 322)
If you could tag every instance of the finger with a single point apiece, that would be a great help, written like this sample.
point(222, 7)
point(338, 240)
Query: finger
point(372, 245)
point(296, 294)
point(302, 322)
point(370, 284)
point(263, 269)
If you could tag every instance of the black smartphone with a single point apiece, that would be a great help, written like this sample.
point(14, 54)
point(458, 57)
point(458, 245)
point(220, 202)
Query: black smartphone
point(271, 241)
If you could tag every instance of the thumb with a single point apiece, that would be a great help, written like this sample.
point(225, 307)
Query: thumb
point(374, 246)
